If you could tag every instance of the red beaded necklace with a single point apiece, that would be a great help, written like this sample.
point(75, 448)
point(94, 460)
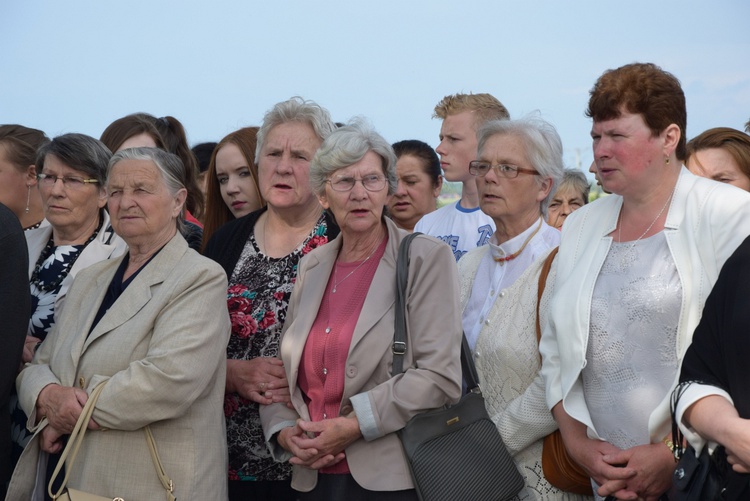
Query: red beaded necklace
point(510, 257)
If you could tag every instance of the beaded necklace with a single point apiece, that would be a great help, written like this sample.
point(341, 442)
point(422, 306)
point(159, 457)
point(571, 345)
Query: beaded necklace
point(47, 252)
point(505, 259)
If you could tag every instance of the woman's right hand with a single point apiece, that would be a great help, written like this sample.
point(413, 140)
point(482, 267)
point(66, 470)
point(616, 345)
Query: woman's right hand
point(29, 348)
point(261, 379)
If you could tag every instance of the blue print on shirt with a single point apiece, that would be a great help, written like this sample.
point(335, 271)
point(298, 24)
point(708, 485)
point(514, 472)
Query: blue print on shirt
point(485, 232)
point(452, 241)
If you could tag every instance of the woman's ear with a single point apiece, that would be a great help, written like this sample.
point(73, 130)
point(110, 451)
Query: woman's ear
point(179, 201)
point(671, 137)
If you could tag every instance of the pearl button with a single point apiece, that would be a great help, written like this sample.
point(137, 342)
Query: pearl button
point(487, 322)
point(328, 329)
point(325, 416)
point(502, 293)
point(325, 371)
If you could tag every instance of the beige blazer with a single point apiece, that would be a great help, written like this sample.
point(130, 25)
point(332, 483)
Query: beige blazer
point(383, 404)
point(162, 347)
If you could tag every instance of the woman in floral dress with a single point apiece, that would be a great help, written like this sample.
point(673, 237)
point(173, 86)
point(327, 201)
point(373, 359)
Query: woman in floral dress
point(260, 253)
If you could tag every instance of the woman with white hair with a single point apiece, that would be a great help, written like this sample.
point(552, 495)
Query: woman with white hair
point(340, 434)
point(519, 165)
point(260, 253)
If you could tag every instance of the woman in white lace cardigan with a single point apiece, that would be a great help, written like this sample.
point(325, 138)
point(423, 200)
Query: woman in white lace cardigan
point(520, 164)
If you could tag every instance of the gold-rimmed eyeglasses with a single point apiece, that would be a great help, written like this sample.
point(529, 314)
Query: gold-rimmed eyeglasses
point(480, 168)
point(70, 182)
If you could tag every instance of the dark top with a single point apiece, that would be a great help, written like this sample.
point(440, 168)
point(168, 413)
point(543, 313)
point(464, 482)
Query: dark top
point(15, 309)
point(720, 351)
point(259, 288)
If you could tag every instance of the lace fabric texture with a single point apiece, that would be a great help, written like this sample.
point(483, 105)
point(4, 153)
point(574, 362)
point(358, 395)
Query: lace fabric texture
point(631, 355)
point(508, 363)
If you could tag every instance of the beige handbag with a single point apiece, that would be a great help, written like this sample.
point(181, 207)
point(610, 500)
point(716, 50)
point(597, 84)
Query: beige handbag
point(71, 450)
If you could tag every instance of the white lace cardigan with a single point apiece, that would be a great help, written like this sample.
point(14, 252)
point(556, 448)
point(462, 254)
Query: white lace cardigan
point(508, 364)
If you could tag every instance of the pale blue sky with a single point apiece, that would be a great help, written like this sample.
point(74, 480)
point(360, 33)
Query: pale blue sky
point(75, 66)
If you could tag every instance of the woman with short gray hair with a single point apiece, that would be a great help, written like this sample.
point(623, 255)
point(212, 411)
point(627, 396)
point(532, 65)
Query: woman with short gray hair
point(74, 234)
point(336, 345)
point(519, 164)
point(260, 253)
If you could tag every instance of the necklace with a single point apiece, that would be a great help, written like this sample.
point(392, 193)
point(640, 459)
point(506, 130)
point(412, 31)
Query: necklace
point(48, 250)
point(503, 260)
point(337, 282)
point(619, 230)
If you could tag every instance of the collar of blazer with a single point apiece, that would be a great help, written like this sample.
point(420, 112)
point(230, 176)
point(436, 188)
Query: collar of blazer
point(138, 292)
point(381, 297)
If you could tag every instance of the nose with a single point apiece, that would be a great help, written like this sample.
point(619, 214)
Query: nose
point(400, 189)
point(232, 187)
point(601, 148)
point(358, 191)
point(58, 187)
point(284, 165)
point(441, 148)
point(565, 209)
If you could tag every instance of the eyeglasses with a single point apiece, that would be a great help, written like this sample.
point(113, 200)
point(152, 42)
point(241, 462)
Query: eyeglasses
point(70, 182)
point(480, 168)
point(373, 182)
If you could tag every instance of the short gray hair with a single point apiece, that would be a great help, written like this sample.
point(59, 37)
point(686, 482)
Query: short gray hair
point(295, 109)
point(347, 146)
point(169, 165)
point(80, 152)
point(575, 179)
point(541, 142)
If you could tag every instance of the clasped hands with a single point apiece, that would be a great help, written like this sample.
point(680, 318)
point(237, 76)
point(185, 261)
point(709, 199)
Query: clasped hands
point(319, 444)
point(643, 472)
point(62, 406)
point(261, 380)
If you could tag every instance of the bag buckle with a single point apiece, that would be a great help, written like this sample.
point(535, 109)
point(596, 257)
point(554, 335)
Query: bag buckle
point(399, 348)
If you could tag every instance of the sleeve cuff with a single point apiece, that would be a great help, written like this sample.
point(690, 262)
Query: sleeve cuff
point(692, 394)
point(365, 416)
point(279, 454)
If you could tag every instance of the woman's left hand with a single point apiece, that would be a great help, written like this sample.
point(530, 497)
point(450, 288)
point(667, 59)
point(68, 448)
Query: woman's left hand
point(50, 440)
point(331, 437)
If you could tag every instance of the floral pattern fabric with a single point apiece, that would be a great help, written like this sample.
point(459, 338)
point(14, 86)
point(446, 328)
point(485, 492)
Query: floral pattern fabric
point(257, 299)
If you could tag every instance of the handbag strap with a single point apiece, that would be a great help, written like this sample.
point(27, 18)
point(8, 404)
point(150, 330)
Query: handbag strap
point(76, 438)
point(468, 369)
point(540, 291)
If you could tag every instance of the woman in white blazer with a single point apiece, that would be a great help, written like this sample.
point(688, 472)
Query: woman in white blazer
point(154, 326)
point(633, 273)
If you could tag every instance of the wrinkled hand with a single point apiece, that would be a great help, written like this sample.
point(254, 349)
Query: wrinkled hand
point(261, 380)
point(50, 440)
point(653, 465)
point(319, 444)
point(61, 405)
point(591, 454)
point(29, 349)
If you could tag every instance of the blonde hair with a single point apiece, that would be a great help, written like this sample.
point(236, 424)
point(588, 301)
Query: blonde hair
point(485, 106)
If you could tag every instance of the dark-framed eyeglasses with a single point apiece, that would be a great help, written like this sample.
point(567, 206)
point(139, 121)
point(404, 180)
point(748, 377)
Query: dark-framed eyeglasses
point(70, 182)
point(372, 182)
point(481, 168)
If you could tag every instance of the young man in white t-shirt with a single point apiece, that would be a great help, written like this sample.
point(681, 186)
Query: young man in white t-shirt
point(462, 225)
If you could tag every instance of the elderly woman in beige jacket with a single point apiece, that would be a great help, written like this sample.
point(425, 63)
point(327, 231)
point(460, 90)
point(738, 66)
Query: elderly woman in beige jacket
point(154, 326)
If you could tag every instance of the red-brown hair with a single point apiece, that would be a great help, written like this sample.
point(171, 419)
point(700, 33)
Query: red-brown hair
point(644, 89)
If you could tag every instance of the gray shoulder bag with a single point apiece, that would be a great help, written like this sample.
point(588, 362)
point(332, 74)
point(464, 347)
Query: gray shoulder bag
point(455, 452)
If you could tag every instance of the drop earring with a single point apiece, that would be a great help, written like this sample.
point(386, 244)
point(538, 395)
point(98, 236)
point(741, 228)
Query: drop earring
point(28, 198)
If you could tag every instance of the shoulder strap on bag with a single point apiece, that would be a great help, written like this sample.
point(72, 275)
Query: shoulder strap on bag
point(468, 369)
point(542, 284)
point(76, 438)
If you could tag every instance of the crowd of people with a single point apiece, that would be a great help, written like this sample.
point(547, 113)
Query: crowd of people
point(198, 290)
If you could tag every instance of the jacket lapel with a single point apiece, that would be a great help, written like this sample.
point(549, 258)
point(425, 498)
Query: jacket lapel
point(138, 293)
